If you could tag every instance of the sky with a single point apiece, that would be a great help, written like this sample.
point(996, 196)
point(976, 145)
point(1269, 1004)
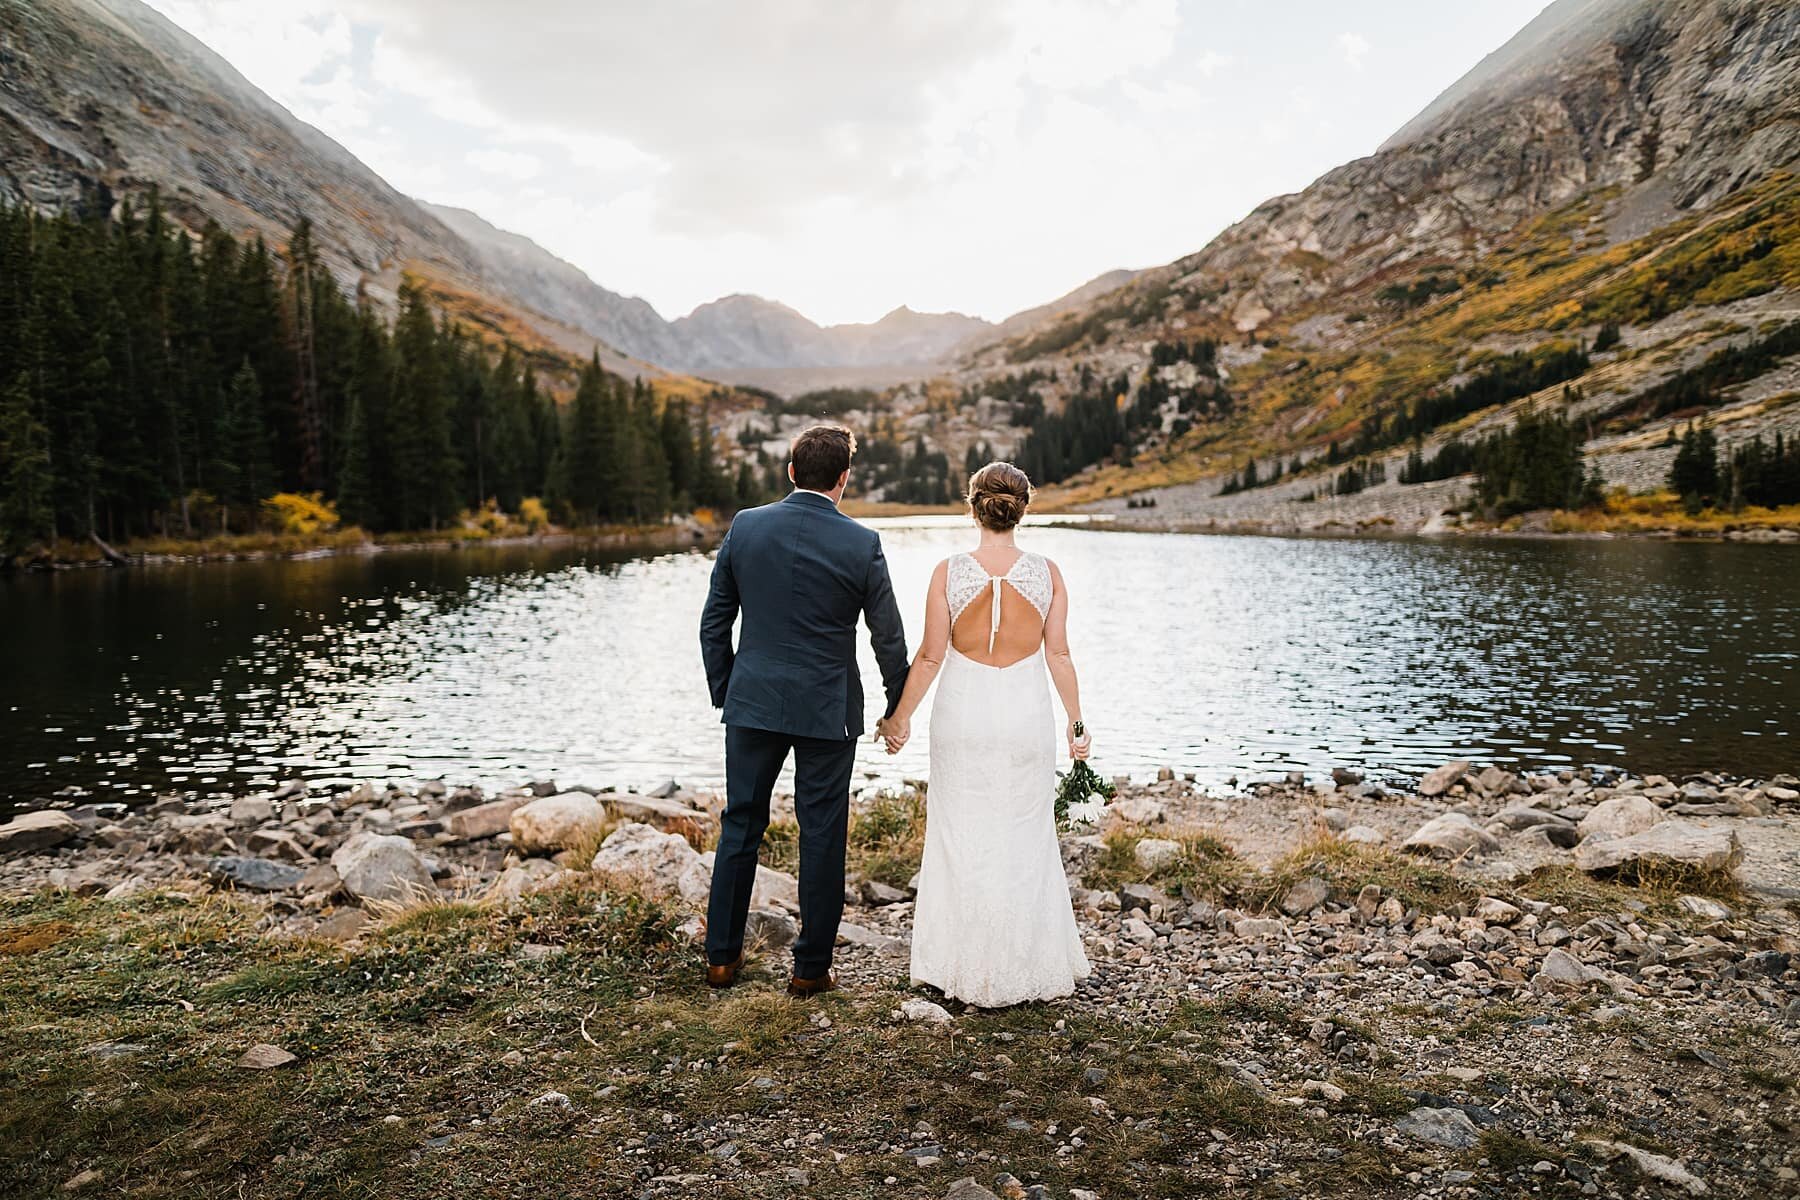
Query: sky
point(849, 156)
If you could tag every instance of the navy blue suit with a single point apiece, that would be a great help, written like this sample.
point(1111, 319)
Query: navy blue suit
point(801, 574)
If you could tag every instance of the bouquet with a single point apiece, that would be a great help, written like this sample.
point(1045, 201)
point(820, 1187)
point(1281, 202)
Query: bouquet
point(1081, 795)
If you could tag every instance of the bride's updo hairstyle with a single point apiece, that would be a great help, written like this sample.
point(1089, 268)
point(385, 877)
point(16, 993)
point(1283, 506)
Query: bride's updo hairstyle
point(999, 494)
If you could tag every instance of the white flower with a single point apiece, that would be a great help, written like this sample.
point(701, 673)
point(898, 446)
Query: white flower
point(1088, 810)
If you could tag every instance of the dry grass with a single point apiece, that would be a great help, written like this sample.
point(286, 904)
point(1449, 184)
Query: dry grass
point(1662, 511)
point(1206, 867)
point(1349, 867)
point(887, 837)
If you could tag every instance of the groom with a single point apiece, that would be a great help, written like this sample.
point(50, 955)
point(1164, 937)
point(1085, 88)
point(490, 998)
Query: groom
point(801, 573)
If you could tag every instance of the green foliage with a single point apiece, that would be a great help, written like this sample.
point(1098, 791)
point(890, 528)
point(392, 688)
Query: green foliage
point(1694, 475)
point(1703, 386)
point(142, 369)
point(1412, 295)
point(25, 476)
point(1505, 379)
point(1455, 457)
point(905, 472)
point(1536, 464)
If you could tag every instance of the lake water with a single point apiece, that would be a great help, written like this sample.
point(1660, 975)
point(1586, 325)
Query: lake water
point(1221, 656)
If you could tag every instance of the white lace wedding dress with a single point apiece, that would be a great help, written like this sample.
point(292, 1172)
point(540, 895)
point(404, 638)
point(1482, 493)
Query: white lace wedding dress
point(993, 924)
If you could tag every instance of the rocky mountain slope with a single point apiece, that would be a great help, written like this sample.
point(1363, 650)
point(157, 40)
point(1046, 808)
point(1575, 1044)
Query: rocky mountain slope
point(104, 100)
point(1620, 162)
point(108, 99)
point(749, 331)
point(731, 333)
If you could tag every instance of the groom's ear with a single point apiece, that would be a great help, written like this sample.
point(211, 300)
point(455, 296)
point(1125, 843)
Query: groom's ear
point(791, 473)
point(843, 481)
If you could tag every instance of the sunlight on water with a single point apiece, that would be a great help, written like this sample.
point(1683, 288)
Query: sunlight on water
point(1222, 656)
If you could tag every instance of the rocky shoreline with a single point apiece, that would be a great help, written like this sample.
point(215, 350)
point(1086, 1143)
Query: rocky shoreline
point(1568, 982)
point(675, 535)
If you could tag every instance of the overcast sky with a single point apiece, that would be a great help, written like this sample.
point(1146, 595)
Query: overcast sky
point(849, 156)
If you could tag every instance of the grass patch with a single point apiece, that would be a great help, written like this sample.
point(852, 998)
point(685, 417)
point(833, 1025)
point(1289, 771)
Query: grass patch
point(1586, 895)
point(887, 837)
point(1349, 867)
point(1206, 865)
point(1508, 1152)
point(780, 849)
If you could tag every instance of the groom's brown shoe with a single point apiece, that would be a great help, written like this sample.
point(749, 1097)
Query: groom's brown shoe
point(802, 989)
point(725, 976)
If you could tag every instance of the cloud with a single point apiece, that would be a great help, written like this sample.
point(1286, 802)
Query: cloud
point(512, 164)
point(843, 156)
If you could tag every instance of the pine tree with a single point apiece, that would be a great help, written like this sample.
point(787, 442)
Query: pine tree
point(1694, 475)
point(25, 476)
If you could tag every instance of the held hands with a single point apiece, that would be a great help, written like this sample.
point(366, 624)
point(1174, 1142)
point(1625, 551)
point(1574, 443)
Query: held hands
point(894, 731)
point(1079, 743)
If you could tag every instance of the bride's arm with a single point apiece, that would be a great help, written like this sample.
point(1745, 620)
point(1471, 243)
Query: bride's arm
point(1062, 662)
point(932, 647)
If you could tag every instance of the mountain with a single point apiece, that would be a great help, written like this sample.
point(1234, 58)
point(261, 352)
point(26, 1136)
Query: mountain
point(749, 331)
point(1678, 102)
point(108, 99)
point(548, 283)
point(1622, 163)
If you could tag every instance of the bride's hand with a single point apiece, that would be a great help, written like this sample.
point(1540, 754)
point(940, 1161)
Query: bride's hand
point(1078, 747)
point(894, 731)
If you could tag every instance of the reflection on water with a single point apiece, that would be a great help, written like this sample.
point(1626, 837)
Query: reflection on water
point(1217, 655)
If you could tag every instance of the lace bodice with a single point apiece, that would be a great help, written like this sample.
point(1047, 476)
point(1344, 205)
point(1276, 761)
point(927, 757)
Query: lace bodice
point(1029, 576)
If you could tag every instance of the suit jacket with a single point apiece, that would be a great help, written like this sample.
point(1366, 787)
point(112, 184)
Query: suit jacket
point(801, 573)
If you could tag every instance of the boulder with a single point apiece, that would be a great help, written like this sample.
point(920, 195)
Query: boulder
point(1653, 1166)
point(658, 862)
point(1138, 810)
point(1671, 843)
point(1364, 835)
point(1305, 896)
point(264, 1057)
point(484, 820)
point(33, 831)
point(1621, 816)
point(770, 929)
point(852, 934)
point(522, 879)
point(1153, 854)
point(375, 866)
point(1437, 782)
point(1259, 929)
point(1524, 816)
point(1496, 781)
point(917, 1008)
point(1704, 906)
point(1142, 895)
point(559, 822)
point(252, 810)
point(1447, 1127)
point(254, 874)
point(772, 889)
point(1450, 835)
point(878, 894)
point(346, 924)
point(1495, 912)
point(1562, 971)
point(660, 811)
point(277, 843)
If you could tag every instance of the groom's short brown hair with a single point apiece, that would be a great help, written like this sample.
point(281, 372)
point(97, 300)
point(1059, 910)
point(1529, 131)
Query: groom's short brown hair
point(820, 454)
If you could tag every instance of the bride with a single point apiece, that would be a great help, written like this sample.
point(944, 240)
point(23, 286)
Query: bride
point(993, 925)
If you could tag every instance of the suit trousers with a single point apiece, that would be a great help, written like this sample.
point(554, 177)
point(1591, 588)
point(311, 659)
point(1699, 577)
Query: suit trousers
point(822, 767)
